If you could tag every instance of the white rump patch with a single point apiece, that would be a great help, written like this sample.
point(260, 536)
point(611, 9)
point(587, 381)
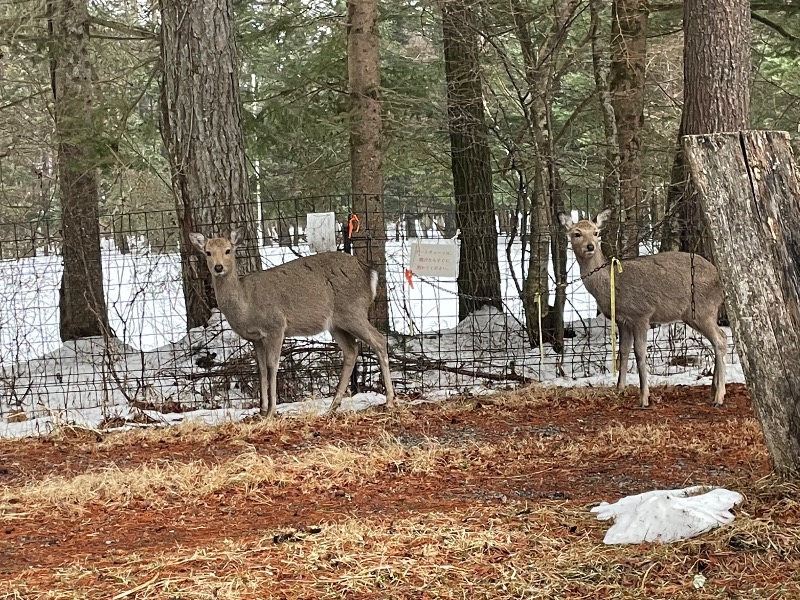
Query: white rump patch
point(373, 282)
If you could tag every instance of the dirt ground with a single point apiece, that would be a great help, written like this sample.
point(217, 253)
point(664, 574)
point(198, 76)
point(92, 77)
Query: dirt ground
point(477, 497)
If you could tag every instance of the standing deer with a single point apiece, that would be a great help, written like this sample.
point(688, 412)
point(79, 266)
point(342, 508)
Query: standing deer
point(653, 289)
point(329, 291)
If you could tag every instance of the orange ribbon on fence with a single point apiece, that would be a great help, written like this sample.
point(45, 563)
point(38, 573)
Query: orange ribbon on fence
point(353, 220)
point(409, 274)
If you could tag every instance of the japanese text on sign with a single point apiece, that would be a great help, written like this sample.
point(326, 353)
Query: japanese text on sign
point(434, 260)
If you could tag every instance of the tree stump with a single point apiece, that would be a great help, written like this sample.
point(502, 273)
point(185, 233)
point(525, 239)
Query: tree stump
point(749, 188)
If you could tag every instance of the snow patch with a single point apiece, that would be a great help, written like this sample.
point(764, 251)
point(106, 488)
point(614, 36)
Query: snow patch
point(155, 369)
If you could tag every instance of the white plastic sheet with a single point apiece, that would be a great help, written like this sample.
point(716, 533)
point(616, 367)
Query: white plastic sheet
point(667, 515)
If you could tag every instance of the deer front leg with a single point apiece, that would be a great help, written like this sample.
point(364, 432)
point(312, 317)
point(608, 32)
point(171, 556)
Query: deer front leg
point(266, 408)
point(640, 351)
point(625, 341)
point(272, 351)
point(268, 356)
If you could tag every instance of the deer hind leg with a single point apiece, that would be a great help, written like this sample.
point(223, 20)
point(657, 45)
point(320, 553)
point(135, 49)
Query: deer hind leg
point(640, 351)
point(625, 341)
point(347, 342)
point(720, 348)
point(364, 331)
point(714, 334)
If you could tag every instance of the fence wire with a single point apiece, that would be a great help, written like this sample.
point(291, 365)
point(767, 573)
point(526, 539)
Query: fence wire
point(150, 361)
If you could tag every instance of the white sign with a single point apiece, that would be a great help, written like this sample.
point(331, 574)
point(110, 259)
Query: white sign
point(321, 231)
point(434, 260)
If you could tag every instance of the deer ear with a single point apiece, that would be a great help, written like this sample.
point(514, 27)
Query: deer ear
point(565, 220)
point(601, 218)
point(198, 241)
point(237, 236)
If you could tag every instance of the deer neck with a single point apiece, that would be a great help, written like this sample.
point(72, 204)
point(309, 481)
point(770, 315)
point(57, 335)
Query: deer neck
point(595, 272)
point(230, 295)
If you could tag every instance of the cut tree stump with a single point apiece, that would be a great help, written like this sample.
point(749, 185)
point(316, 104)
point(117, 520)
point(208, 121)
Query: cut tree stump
point(749, 189)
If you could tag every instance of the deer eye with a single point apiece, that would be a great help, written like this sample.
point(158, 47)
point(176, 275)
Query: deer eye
point(228, 251)
point(208, 253)
point(577, 234)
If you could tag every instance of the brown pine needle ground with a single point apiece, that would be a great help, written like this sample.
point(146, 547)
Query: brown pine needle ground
point(482, 498)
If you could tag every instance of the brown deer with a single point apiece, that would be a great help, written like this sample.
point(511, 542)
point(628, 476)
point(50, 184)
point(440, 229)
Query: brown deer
point(329, 291)
point(653, 289)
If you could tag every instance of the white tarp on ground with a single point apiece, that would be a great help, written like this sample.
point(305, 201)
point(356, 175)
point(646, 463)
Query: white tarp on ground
point(667, 515)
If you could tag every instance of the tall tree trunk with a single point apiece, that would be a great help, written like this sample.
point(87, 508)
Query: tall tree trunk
point(755, 235)
point(82, 304)
point(541, 67)
point(611, 158)
point(558, 249)
point(479, 273)
point(202, 130)
point(366, 151)
point(627, 79)
point(716, 99)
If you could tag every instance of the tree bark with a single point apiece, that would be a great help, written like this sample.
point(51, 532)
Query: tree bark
point(202, 130)
point(479, 273)
point(541, 66)
point(366, 146)
point(626, 83)
point(755, 231)
point(611, 159)
point(558, 249)
point(716, 99)
point(82, 303)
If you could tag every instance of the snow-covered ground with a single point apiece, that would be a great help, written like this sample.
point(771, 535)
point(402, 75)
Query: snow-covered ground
point(153, 371)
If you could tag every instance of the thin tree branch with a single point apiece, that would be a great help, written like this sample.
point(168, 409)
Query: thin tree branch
point(575, 114)
point(138, 33)
point(773, 25)
point(774, 5)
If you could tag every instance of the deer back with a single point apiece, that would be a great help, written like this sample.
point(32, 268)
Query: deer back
point(660, 288)
point(311, 294)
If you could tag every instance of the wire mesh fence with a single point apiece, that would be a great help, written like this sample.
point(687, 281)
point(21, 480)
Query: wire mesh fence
point(149, 360)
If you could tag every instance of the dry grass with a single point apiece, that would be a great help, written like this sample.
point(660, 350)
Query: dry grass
point(320, 467)
point(188, 430)
point(162, 483)
point(479, 553)
point(449, 541)
point(651, 439)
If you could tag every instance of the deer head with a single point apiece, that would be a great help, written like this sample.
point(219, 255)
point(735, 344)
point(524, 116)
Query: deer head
point(585, 234)
point(220, 252)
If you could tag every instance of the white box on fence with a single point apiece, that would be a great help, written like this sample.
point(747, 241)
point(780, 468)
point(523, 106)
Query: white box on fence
point(321, 231)
point(434, 260)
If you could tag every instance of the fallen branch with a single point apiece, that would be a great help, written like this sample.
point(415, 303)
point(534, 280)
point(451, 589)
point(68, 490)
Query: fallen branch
point(421, 363)
point(245, 365)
